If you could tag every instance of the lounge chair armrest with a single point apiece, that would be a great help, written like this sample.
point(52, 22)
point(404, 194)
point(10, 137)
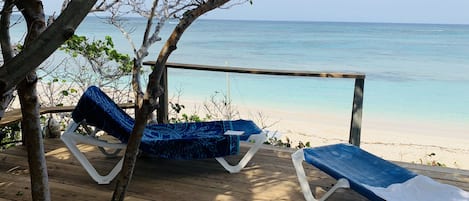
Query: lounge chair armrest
point(87, 139)
point(258, 140)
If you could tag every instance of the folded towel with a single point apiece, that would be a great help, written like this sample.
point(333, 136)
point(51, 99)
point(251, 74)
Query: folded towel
point(420, 188)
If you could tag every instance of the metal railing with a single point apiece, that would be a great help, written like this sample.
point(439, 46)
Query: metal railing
point(357, 105)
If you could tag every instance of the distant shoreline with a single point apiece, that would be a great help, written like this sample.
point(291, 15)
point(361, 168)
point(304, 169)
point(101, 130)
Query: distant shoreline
point(281, 21)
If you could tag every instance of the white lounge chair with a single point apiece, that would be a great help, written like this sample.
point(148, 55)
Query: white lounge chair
point(186, 141)
point(371, 176)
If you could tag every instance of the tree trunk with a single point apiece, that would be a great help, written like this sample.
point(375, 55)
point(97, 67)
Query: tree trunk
point(33, 12)
point(131, 152)
point(153, 91)
point(31, 129)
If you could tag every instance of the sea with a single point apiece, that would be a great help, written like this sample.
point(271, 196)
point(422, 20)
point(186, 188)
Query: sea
point(413, 71)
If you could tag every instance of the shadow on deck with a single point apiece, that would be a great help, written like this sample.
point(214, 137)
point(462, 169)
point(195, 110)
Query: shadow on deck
point(269, 176)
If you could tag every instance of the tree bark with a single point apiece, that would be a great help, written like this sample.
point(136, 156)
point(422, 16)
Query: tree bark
point(31, 129)
point(7, 50)
point(33, 12)
point(148, 102)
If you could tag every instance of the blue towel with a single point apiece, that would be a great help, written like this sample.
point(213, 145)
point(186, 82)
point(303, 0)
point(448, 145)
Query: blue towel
point(195, 140)
point(361, 168)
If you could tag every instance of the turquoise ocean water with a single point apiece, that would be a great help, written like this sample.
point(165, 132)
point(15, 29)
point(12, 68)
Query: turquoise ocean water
point(418, 71)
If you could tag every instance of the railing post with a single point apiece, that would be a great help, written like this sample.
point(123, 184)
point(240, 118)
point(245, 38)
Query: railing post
point(356, 121)
point(162, 112)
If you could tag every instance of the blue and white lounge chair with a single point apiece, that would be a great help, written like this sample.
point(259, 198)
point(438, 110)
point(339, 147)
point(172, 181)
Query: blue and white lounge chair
point(186, 141)
point(371, 176)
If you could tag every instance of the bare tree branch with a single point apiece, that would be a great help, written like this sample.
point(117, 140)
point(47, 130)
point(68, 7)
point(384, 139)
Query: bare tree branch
point(99, 7)
point(149, 24)
point(103, 6)
point(7, 51)
point(235, 3)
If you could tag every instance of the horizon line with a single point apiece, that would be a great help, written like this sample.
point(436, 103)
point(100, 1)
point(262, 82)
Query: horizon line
point(296, 20)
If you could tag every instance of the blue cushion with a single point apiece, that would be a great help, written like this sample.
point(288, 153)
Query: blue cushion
point(358, 166)
point(193, 140)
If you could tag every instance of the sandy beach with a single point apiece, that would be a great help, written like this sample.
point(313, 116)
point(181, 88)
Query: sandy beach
point(406, 140)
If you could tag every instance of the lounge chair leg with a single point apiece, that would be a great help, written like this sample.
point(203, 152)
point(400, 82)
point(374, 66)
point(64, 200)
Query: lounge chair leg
point(93, 134)
point(71, 139)
point(298, 157)
point(341, 183)
point(258, 141)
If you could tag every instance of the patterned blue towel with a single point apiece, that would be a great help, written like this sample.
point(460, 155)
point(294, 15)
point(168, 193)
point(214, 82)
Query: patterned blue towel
point(174, 141)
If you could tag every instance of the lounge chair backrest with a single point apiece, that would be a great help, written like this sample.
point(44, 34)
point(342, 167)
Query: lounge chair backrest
point(97, 109)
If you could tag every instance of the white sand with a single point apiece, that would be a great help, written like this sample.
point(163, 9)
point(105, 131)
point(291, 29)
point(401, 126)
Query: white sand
point(404, 140)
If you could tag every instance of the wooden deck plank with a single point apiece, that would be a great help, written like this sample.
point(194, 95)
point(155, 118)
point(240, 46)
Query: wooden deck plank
point(270, 176)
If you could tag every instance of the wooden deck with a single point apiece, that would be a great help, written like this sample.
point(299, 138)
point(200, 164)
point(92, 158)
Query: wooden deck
point(269, 176)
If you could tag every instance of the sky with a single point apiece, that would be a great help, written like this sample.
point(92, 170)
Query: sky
point(394, 11)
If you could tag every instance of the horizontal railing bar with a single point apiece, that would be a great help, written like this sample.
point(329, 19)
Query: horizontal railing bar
point(261, 71)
